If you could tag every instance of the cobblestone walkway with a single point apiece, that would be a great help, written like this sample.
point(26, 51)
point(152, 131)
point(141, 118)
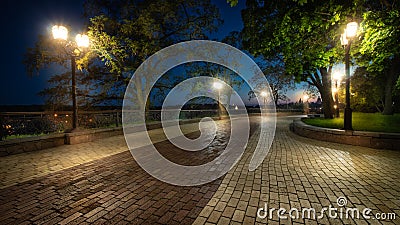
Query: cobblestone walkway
point(304, 173)
point(18, 168)
point(101, 183)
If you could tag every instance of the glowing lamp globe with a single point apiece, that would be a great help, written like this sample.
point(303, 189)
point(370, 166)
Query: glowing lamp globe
point(60, 32)
point(82, 40)
point(351, 29)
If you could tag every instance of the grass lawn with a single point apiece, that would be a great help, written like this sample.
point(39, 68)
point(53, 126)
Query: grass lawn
point(362, 122)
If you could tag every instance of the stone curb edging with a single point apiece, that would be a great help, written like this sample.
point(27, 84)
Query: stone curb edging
point(359, 138)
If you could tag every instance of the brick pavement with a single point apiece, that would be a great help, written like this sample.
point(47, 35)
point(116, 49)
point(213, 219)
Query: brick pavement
point(298, 172)
point(303, 173)
point(110, 190)
point(18, 168)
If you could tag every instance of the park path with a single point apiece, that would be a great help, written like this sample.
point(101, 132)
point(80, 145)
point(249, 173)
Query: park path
point(303, 173)
point(18, 168)
point(99, 182)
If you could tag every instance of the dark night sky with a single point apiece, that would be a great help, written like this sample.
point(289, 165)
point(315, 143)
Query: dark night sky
point(23, 21)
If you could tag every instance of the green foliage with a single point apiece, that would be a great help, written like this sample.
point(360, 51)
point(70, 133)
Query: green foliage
point(362, 122)
point(379, 50)
point(233, 2)
point(367, 93)
point(305, 34)
point(380, 40)
point(124, 37)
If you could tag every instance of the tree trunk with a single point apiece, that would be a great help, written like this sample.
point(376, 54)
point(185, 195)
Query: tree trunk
point(391, 78)
point(326, 93)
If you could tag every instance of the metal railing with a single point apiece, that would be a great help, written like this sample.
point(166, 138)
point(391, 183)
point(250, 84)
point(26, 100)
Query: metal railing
point(37, 123)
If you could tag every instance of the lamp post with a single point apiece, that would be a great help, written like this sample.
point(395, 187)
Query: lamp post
point(264, 95)
point(346, 39)
point(73, 49)
point(337, 77)
point(305, 100)
point(218, 86)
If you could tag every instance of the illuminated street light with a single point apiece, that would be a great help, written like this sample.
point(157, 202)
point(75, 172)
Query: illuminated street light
point(218, 86)
point(73, 49)
point(351, 29)
point(264, 95)
point(82, 40)
point(305, 100)
point(60, 32)
point(346, 38)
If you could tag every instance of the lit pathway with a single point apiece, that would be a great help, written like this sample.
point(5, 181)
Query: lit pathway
point(99, 182)
point(303, 173)
point(18, 168)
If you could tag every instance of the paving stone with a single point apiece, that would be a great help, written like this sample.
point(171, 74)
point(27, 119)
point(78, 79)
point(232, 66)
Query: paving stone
point(100, 183)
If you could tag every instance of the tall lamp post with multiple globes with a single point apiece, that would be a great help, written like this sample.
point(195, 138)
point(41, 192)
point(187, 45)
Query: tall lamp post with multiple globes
point(337, 77)
point(346, 39)
point(73, 49)
point(218, 86)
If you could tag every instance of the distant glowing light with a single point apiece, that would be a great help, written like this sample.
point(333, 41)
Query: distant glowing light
point(337, 76)
point(217, 85)
point(60, 32)
point(264, 94)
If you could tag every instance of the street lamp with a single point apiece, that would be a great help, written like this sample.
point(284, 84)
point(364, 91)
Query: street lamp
point(337, 77)
point(345, 39)
point(264, 95)
point(73, 49)
point(218, 86)
point(305, 100)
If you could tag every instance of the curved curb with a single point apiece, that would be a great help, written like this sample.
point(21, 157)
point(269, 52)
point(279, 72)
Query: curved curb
point(359, 138)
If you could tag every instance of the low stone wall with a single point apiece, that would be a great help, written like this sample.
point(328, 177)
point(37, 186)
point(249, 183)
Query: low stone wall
point(360, 138)
point(15, 146)
point(91, 135)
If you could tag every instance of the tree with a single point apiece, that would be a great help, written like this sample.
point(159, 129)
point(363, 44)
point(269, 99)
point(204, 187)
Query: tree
point(279, 81)
point(305, 34)
point(126, 33)
point(379, 49)
point(123, 34)
point(368, 91)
